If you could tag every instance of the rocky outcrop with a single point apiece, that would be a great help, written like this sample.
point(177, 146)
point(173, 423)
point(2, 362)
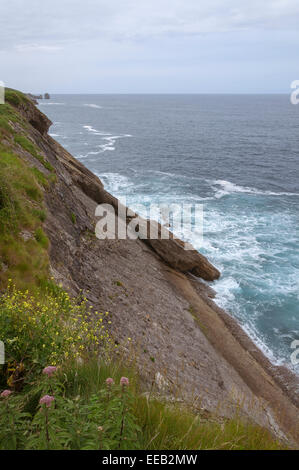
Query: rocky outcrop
point(29, 111)
point(34, 98)
point(176, 253)
point(185, 260)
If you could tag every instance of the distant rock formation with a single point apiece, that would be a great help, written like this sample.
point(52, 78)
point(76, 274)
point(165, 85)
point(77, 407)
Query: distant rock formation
point(34, 98)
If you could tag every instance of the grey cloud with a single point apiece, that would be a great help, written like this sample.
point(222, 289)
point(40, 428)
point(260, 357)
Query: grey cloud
point(149, 45)
point(61, 22)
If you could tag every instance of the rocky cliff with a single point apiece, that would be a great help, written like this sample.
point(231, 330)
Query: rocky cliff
point(160, 311)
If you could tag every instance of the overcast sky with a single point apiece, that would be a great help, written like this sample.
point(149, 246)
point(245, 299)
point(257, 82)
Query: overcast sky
point(149, 46)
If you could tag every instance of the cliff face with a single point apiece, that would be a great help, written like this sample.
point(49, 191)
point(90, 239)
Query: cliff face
point(177, 339)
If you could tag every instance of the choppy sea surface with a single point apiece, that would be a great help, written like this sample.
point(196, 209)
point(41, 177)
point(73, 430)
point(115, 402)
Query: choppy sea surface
point(235, 154)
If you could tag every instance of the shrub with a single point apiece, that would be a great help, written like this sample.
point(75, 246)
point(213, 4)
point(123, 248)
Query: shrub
point(79, 407)
point(50, 329)
point(14, 423)
point(103, 420)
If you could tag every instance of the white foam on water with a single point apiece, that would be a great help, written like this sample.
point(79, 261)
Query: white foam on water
point(226, 290)
point(110, 142)
point(115, 183)
point(92, 129)
point(225, 293)
point(91, 105)
point(227, 187)
point(258, 340)
point(88, 153)
point(107, 137)
point(41, 103)
point(174, 175)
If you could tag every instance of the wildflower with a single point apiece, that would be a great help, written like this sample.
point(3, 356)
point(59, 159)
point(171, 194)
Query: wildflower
point(109, 381)
point(6, 393)
point(100, 428)
point(47, 400)
point(124, 381)
point(49, 370)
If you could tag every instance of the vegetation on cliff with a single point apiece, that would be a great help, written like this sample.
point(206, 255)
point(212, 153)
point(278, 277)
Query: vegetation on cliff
point(64, 384)
point(21, 200)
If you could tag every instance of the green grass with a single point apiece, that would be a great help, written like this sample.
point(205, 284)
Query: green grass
point(4, 125)
point(41, 237)
point(166, 426)
point(171, 426)
point(41, 178)
point(153, 424)
point(21, 208)
point(10, 114)
point(21, 199)
point(26, 144)
point(15, 103)
point(40, 214)
point(73, 218)
point(15, 97)
point(32, 149)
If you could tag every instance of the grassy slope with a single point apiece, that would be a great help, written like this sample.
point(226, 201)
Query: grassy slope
point(21, 202)
point(162, 425)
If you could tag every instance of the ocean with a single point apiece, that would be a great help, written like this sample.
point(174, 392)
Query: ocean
point(235, 154)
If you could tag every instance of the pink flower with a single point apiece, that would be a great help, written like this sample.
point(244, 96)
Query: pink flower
point(109, 381)
point(47, 400)
point(6, 393)
point(124, 381)
point(49, 371)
